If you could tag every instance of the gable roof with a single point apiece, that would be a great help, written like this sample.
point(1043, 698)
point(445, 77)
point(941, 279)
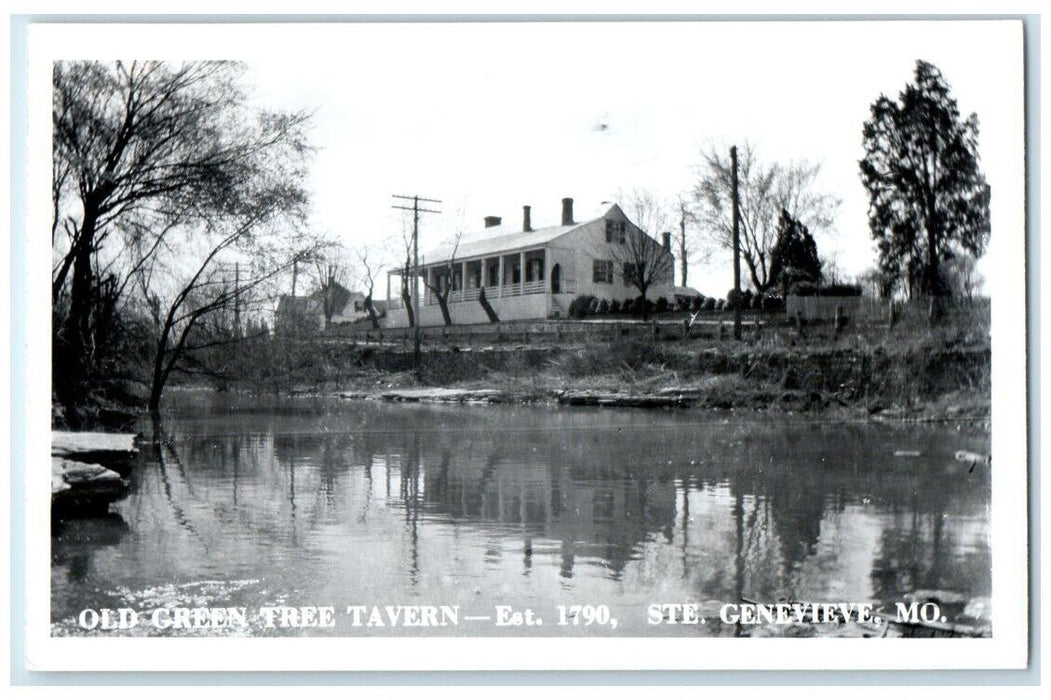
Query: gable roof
point(506, 239)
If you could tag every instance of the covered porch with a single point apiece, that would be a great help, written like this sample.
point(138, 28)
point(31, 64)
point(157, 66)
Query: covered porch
point(501, 276)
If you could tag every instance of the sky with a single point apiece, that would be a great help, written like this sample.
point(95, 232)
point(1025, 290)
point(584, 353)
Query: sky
point(488, 117)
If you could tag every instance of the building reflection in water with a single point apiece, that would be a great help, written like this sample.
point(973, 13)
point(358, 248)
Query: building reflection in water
point(655, 504)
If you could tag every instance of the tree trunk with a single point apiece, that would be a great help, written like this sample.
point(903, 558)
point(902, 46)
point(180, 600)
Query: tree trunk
point(406, 300)
point(443, 304)
point(157, 383)
point(683, 265)
point(490, 312)
point(73, 353)
point(372, 311)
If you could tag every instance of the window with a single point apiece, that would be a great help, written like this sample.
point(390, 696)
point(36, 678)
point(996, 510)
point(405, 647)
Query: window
point(621, 229)
point(357, 306)
point(602, 271)
point(609, 230)
point(615, 231)
point(630, 273)
point(535, 270)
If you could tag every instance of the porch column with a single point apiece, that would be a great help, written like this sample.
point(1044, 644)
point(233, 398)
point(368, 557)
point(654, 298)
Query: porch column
point(521, 272)
point(463, 280)
point(500, 276)
point(388, 288)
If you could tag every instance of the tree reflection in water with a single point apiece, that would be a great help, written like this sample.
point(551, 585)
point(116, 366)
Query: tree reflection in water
point(380, 498)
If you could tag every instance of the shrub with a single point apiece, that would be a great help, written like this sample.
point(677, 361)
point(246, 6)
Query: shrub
point(720, 304)
point(629, 306)
point(809, 289)
point(743, 301)
point(578, 308)
point(710, 304)
point(757, 302)
point(773, 302)
point(593, 306)
point(614, 307)
point(603, 306)
point(661, 306)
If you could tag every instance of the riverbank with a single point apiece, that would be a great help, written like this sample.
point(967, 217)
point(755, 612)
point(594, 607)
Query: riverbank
point(906, 371)
point(949, 382)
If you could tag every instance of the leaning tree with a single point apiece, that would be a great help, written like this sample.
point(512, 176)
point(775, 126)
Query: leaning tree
point(156, 159)
point(928, 198)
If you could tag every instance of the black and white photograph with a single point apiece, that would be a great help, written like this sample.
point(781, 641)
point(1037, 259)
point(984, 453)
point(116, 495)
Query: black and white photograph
point(548, 344)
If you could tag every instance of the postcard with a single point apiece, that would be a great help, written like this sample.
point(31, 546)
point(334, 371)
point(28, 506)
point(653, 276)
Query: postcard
point(518, 345)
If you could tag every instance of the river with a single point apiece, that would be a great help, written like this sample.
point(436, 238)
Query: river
point(328, 502)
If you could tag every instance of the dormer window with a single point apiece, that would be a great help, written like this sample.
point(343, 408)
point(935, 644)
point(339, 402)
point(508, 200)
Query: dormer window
point(615, 231)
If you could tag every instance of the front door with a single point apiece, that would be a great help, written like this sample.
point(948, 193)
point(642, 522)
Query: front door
point(556, 279)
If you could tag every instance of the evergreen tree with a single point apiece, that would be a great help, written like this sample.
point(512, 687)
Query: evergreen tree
point(794, 255)
point(928, 199)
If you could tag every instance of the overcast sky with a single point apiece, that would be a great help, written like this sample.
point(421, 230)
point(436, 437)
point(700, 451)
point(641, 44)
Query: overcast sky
point(488, 117)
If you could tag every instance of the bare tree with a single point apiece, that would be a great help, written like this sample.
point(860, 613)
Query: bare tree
point(332, 273)
point(405, 271)
point(136, 147)
point(202, 289)
point(642, 260)
point(646, 209)
point(445, 280)
point(765, 190)
point(368, 275)
point(963, 276)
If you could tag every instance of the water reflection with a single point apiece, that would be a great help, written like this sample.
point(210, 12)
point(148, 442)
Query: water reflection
point(338, 502)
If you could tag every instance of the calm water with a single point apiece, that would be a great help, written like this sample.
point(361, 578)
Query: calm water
point(330, 502)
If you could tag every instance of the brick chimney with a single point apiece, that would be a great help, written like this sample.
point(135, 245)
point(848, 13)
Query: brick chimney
point(666, 240)
point(567, 211)
point(491, 221)
point(527, 224)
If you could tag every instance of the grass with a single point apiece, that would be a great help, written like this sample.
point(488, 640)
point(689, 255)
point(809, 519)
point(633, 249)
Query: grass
point(869, 365)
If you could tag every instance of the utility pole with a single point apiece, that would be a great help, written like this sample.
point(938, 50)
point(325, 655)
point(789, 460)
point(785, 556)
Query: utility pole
point(737, 249)
point(416, 211)
point(683, 265)
point(237, 299)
